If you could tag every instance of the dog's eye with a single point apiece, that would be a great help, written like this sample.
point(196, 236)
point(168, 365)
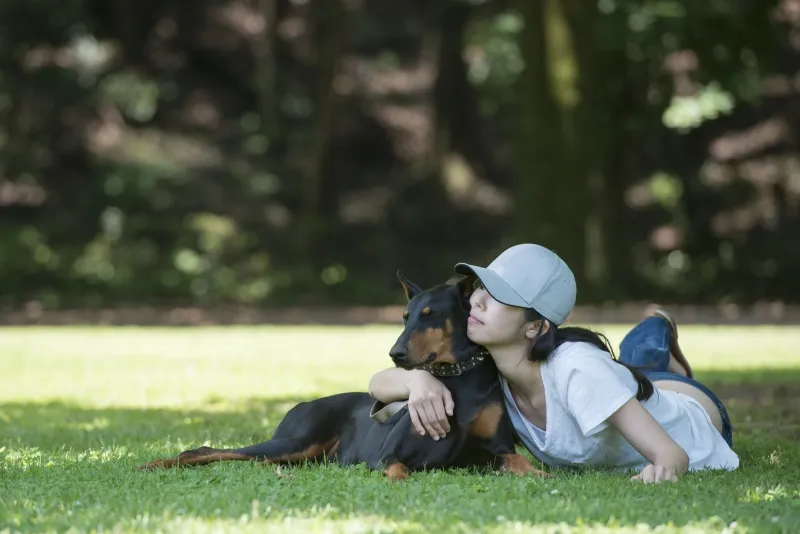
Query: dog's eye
point(427, 311)
point(405, 316)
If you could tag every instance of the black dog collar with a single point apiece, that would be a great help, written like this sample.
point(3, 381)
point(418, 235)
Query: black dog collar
point(454, 369)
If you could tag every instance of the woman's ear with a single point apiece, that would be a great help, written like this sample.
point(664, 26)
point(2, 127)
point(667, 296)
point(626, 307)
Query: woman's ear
point(534, 329)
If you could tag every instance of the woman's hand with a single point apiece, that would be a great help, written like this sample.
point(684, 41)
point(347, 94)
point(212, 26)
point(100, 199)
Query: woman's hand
point(657, 473)
point(429, 404)
point(667, 459)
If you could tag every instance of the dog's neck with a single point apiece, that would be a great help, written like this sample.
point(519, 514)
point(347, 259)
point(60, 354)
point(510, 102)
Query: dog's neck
point(446, 370)
point(478, 371)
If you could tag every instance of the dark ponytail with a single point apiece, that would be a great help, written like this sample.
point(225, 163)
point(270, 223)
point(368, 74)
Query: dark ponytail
point(549, 341)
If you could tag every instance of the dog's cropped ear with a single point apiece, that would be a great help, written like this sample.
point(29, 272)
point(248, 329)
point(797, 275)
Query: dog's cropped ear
point(410, 288)
point(464, 284)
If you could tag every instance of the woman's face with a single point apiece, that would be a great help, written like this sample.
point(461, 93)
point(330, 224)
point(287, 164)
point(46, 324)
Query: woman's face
point(492, 323)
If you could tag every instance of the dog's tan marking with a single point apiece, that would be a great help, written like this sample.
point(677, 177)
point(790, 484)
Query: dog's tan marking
point(201, 456)
point(396, 471)
point(309, 453)
point(486, 422)
point(207, 455)
point(406, 289)
point(432, 340)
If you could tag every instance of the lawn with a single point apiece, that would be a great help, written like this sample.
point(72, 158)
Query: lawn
point(81, 407)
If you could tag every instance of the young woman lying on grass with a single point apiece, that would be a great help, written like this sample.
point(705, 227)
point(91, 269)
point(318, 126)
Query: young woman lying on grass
point(570, 401)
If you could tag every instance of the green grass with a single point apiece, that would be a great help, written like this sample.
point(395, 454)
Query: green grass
point(81, 407)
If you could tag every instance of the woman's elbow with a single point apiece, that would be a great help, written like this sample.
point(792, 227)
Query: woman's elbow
point(374, 389)
point(380, 386)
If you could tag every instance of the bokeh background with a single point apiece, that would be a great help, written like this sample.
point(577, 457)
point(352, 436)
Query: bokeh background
point(273, 153)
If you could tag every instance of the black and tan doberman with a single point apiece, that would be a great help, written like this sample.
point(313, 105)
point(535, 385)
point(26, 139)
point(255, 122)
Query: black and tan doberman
point(347, 428)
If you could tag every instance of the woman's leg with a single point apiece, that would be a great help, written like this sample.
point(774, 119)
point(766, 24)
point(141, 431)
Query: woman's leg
point(653, 345)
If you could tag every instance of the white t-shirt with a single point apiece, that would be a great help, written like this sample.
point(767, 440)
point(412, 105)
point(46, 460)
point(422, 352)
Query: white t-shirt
point(583, 388)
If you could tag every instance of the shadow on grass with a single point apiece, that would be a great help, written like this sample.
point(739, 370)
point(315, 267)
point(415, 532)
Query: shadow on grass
point(756, 400)
point(57, 425)
point(750, 377)
point(759, 401)
point(763, 412)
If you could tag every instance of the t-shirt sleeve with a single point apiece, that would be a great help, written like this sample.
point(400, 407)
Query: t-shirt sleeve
point(592, 389)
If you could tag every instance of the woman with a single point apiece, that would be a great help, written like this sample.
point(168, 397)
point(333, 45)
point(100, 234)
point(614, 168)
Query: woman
point(570, 401)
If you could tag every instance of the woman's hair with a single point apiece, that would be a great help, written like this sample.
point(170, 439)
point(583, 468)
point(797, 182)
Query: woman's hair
point(549, 341)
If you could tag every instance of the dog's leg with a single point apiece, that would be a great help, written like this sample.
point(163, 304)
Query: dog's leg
point(293, 451)
point(200, 456)
point(492, 425)
point(272, 451)
point(309, 431)
point(403, 450)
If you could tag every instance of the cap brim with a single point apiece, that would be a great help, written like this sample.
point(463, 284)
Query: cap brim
point(496, 286)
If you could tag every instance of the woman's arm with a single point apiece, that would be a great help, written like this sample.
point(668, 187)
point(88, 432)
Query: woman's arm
point(667, 459)
point(390, 385)
point(429, 401)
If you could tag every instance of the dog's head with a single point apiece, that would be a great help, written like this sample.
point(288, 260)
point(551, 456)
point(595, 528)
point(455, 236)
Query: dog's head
point(435, 325)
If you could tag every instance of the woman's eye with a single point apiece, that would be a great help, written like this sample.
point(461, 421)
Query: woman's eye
point(477, 284)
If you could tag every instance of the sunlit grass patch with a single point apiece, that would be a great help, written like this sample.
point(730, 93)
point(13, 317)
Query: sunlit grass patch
point(80, 408)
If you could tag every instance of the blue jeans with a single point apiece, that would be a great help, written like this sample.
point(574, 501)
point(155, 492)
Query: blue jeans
point(646, 347)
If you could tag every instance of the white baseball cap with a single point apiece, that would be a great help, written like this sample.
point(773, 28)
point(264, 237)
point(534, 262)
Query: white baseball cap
point(529, 276)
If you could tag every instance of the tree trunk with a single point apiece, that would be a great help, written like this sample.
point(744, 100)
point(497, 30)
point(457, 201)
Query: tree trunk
point(127, 19)
point(539, 143)
point(624, 150)
point(330, 21)
point(264, 56)
point(552, 163)
point(585, 144)
point(449, 91)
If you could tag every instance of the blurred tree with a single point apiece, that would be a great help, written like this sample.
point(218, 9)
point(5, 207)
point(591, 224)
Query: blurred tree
point(269, 151)
point(558, 177)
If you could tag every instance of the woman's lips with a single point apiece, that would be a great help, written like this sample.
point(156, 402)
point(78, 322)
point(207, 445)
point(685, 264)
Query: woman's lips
point(473, 320)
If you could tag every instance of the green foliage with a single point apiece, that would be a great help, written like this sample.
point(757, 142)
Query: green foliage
point(136, 97)
point(689, 112)
point(163, 155)
point(494, 59)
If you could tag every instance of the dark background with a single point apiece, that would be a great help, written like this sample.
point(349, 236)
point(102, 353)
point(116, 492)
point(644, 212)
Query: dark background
point(274, 152)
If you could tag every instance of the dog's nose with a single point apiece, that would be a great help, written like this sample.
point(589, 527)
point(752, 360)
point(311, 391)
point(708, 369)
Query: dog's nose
point(398, 353)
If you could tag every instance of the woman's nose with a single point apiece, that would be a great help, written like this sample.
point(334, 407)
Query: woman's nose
point(477, 298)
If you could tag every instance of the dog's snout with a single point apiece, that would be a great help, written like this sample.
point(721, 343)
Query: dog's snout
point(398, 353)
